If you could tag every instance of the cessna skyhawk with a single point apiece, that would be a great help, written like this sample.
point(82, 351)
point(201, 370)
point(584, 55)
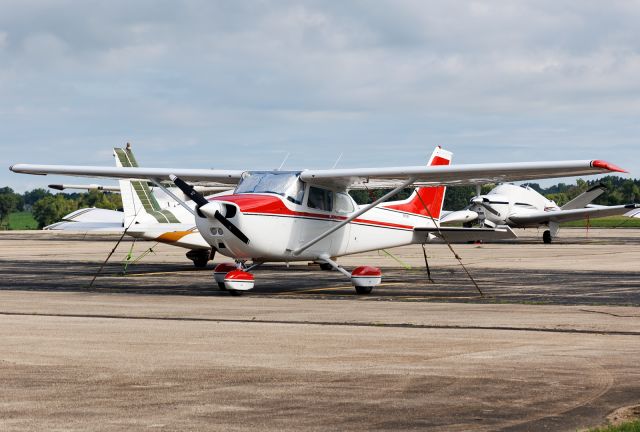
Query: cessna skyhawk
point(307, 215)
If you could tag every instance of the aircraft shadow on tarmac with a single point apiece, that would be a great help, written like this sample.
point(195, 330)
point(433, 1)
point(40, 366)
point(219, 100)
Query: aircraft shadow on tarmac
point(399, 284)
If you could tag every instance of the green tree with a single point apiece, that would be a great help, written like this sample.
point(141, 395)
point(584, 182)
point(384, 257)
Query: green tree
point(9, 202)
point(100, 199)
point(52, 208)
point(31, 197)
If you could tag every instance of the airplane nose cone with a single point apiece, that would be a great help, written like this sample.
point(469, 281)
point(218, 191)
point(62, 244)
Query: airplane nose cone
point(209, 210)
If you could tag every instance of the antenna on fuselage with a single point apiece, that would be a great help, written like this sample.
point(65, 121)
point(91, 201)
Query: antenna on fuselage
point(283, 161)
point(337, 160)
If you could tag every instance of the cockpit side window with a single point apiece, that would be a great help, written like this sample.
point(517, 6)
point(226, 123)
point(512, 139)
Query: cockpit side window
point(321, 199)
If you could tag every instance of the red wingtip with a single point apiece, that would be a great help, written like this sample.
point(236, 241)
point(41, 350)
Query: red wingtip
point(608, 166)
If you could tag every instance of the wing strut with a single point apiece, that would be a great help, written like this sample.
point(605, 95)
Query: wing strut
point(450, 248)
point(158, 183)
point(352, 217)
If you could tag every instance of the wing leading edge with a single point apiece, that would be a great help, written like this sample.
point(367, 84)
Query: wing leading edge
point(227, 177)
point(453, 175)
point(573, 215)
point(449, 175)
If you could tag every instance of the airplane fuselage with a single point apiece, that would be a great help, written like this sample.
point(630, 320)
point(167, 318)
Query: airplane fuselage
point(276, 227)
point(510, 200)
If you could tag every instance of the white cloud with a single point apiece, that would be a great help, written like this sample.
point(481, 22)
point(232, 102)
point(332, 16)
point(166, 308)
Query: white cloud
point(494, 80)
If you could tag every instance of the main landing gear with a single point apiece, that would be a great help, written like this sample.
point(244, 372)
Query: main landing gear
point(201, 257)
point(363, 278)
point(551, 233)
point(233, 278)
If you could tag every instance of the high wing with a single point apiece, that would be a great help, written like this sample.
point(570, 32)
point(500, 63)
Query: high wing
point(354, 178)
point(456, 235)
point(223, 177)
point(572, 215)
point(454, 175)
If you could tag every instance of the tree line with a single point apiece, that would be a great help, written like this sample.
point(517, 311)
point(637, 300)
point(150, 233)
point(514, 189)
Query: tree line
point(48, 208)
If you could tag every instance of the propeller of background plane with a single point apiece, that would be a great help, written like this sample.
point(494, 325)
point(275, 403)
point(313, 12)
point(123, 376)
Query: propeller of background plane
point(208, 209)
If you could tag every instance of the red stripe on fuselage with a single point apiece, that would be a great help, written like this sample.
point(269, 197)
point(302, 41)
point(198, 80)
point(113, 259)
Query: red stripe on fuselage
point(273, 206)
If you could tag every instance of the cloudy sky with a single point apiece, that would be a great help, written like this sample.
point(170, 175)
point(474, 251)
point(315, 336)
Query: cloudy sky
point(238, 84)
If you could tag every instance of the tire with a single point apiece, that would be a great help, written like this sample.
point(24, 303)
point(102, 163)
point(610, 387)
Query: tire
point(235, 293)
point(326, 266)
point(546, 237)
point(363, 290)
point(222, 286)
point(201, 262)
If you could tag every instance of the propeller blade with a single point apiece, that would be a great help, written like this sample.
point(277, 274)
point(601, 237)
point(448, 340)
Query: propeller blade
point(491, 209)
point(231, 227)
point(201, 201)
point(189, 191)
point(483, 202)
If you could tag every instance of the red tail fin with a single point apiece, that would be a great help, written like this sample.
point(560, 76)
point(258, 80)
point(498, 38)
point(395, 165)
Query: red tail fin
point(432, 196)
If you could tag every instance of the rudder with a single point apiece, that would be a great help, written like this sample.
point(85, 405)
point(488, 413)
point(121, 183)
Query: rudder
point(431, 197)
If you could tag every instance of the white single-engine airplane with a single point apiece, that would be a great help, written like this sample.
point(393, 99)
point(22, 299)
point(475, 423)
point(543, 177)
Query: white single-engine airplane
point(147, 213)
point(523, 207)
point(277, 216)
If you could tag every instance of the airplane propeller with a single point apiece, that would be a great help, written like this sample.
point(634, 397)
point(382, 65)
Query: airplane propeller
point(484, 202)
point(206, 208)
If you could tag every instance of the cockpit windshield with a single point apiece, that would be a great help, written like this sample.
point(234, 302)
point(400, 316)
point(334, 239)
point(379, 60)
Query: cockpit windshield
point(286, 184)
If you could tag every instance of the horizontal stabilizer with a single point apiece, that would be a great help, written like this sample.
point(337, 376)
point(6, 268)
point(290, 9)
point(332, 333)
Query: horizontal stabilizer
point(458, 216)
point(457, 235)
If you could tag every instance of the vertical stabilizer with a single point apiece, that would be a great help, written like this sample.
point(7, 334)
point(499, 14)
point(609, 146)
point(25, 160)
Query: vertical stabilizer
point(585, 198)
point(432, 197)
point(138, 201)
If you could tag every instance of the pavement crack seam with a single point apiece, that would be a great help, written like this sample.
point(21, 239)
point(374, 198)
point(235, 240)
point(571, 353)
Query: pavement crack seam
point(329, 323)
point(609, 313)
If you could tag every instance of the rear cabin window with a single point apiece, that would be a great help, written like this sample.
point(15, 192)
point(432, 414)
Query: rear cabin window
point(343, 203)
point(321, 199)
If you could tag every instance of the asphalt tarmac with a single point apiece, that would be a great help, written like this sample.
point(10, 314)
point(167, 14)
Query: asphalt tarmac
point(553, 344)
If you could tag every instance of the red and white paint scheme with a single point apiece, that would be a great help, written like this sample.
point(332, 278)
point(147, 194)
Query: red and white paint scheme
point(365, 277)
point(221, 271)
point(277, 216)
point(239, 280)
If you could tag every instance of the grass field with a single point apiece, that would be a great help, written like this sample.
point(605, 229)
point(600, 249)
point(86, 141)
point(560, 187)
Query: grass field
point(633, 426)
point(21, 221)
point(607, 222)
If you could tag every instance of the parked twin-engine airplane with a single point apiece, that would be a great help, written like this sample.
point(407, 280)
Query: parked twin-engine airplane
point(523, 207)
point(277, 216)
